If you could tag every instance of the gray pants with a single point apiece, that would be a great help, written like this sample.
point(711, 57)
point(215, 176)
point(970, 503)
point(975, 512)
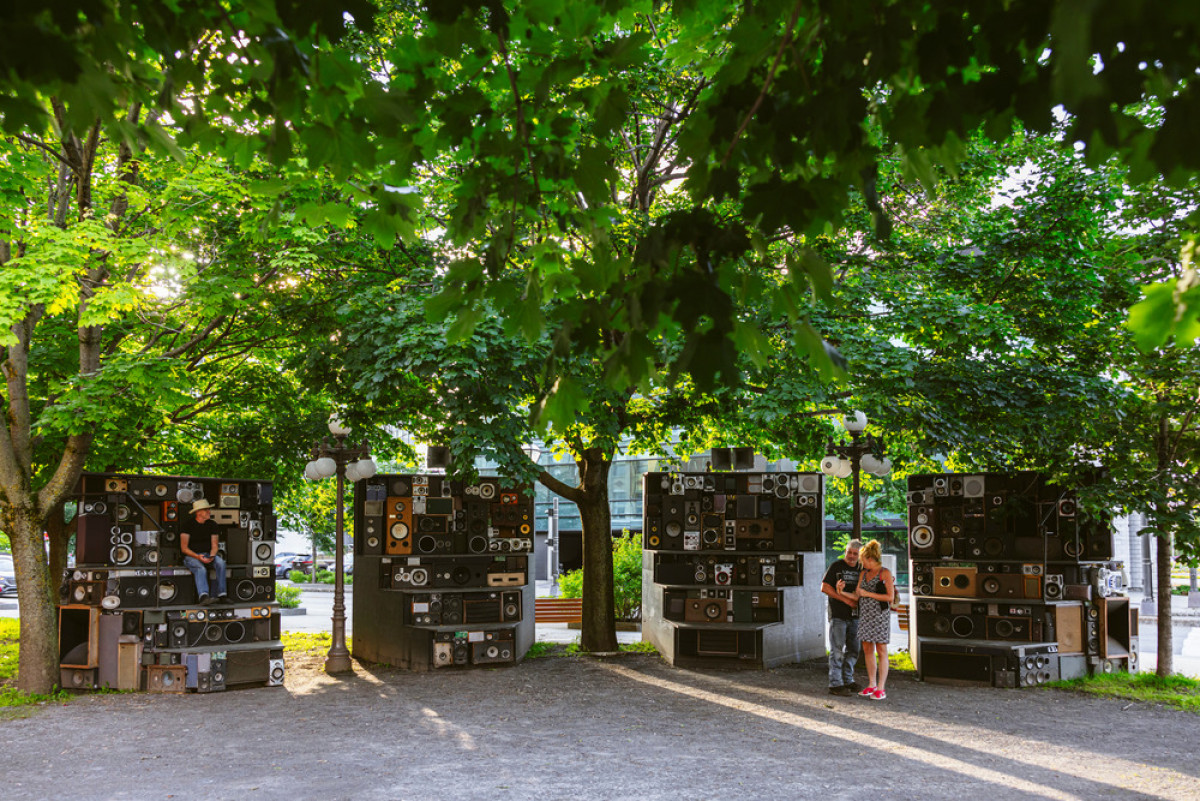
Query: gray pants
point(843, 651)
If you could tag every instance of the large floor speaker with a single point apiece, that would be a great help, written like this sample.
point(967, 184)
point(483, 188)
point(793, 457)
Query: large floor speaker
point(955, 665)
point(92, 539)
point(78, 636)
point(247, 667)
point(1118, 626)
point(1068, 627)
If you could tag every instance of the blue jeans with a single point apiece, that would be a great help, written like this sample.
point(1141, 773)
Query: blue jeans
point(843, 651)
point(200, 571)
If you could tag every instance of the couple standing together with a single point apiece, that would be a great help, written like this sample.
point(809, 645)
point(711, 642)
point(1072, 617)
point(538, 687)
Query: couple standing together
point(860, 591)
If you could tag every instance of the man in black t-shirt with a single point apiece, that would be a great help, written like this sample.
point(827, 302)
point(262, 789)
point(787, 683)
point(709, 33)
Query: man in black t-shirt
point(200, 539)
point(840, 583)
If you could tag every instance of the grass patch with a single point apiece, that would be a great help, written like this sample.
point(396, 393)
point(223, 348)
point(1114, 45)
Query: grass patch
point(553, 649)
point(900, 660)
point(12, 701)
point(1177, 691)
point(301, 642)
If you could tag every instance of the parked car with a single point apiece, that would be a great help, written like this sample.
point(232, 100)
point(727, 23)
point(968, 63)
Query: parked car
point(8, 574)
point(283, 563)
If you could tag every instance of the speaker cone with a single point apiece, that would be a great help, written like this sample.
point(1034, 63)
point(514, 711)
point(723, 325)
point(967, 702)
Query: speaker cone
point(962, 626)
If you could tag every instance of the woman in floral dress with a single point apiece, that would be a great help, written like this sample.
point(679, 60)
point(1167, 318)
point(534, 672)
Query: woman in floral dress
point(875, 588)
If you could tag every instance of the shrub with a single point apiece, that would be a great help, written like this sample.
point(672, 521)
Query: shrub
point(627, 578)
point(299, 576)
point(288, 597)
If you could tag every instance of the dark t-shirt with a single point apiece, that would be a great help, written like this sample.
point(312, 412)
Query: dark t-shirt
point(843, 571)
point(200, 534)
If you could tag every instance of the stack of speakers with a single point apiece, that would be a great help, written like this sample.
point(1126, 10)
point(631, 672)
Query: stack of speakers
point(723, 555)
point(452, 564)
point(1012, 584)
point(129, 617)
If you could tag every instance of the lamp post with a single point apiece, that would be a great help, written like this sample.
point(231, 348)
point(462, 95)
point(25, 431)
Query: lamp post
point(347, 462)
point(845, 459)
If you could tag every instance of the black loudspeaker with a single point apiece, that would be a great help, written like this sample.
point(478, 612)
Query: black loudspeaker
point(93, 534)
point(247, 667)
point(228, 632)
point(132, 592)
point(78, 636)
point(721, 458)
point(510, 611)
point(743, 458)
point(437, 456)
point(218, 673)
point(252, 589)
point(78, 678)
point(177, 588)
point(370, 536)
point(497, 647)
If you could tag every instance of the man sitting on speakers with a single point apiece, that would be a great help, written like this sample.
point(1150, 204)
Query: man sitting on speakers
point(841, 585)
point(199, 538)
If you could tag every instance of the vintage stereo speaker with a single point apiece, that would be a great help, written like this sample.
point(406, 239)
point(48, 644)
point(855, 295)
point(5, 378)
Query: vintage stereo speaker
point(1029, 666)
point(482, 608)
point(399, 526)
point(166, 678)
point(951, 619)
point(707, 610)
point(247, 667)
point(230, 496)
point(719, 643)
point(262, 553)
point(75, 678)
point(252, 589)
point(1068, 627)
point(86, 593)
point(132, 592)
point(78, 636)
point(121, 648)
point(275, 678)
point(176, 587)
point(451, 648)
point(494, 647)
point(218, 672)
point(958, 582)
point(762, 606)
point(93, 535)
point(1118, 627)
point(229, 632)
point(1010, 585)
point(370, 535)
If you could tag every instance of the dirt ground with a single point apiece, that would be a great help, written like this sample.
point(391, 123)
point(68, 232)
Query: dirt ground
point(629, 726)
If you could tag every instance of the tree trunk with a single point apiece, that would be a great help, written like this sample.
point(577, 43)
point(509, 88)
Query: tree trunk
point(37, 666)
point(59, 543)
point(1166, 557)
point(599, 617)
point(1166, 635)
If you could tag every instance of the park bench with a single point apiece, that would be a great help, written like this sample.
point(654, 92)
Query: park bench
point(902, 616)
point(558, 610)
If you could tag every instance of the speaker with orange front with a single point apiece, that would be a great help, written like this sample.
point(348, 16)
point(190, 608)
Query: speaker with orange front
point(398, 534)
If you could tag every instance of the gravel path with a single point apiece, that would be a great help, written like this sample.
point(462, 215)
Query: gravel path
point(571, 728)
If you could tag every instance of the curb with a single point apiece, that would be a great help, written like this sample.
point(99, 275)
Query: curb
point(299, 610)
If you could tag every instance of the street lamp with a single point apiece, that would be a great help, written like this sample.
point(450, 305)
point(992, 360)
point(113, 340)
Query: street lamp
point(347, 462)
point(845, 459)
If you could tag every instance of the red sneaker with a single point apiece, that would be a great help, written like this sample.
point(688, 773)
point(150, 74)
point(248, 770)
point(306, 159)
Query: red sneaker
point(878, 695)
point(868, 692)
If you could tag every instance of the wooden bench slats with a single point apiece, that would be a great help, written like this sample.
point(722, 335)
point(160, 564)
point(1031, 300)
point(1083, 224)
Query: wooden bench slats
point(558, 610)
